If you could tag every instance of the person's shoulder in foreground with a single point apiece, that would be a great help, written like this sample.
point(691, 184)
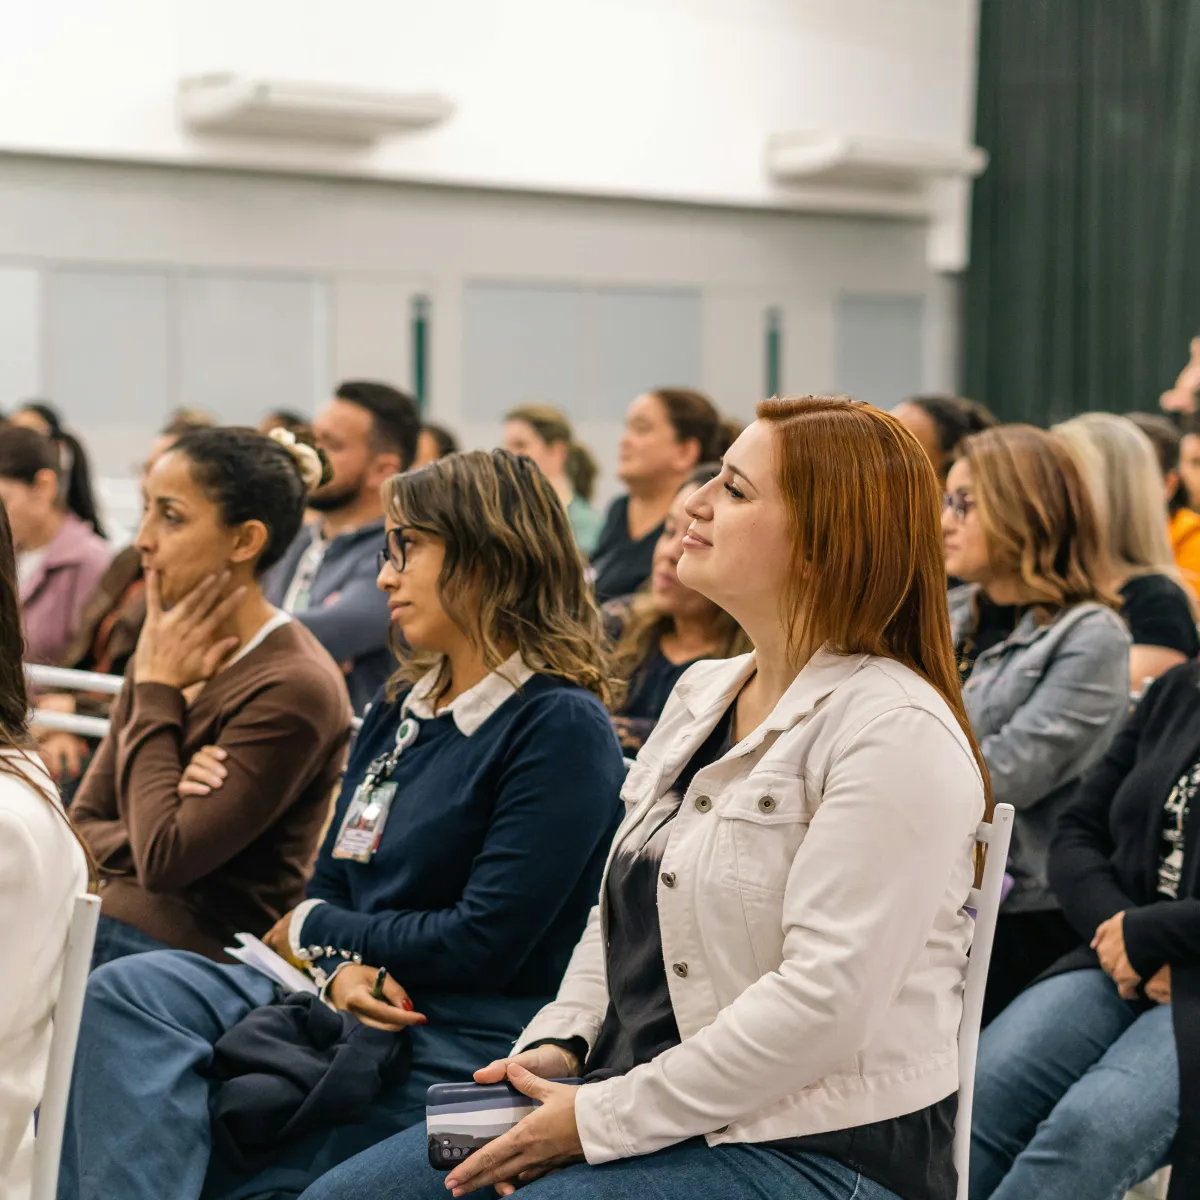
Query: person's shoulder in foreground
point(863, 684)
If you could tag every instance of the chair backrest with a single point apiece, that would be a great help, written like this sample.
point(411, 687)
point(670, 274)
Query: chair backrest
point(985, 900)
point(52, 1114)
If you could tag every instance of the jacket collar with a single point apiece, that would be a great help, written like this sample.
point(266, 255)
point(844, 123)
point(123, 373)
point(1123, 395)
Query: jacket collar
point(706, 699)
point(1028, 630)
point(64, 549)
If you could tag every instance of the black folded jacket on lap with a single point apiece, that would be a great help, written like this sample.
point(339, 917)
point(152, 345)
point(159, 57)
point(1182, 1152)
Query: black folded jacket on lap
point(293, 1067)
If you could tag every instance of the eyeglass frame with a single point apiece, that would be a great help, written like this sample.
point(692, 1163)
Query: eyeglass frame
point(395, 546)
point(958, 504)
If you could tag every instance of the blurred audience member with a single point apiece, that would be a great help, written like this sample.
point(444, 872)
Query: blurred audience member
point(667, 433)
point(1184, 523)
point(1182, 398)
point(284, 418)
point(434, 442)
point(664, 629)
point(1079, 1087)
point(1189, 460)
point(939, 423)
point(472, 893)
point(42, 870)
point(326, 578)
point(59, 558)
point(106, 632)
point(1126, 486)
point(1043, 656)
point(75, 472)
point(544, 433)
point(227, 686)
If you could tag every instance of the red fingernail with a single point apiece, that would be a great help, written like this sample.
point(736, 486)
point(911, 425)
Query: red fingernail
point(422, 1020)
point(407, 1005)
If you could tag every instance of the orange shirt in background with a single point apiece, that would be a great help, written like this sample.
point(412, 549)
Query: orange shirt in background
point(1185, 542)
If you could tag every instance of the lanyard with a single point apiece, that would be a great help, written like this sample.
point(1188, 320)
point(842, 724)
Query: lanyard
point(385, 764)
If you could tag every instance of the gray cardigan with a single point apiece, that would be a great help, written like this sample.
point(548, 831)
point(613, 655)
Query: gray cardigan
point(1044, 704)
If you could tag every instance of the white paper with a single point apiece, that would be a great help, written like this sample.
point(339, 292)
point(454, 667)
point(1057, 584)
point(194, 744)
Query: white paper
point(263, 959)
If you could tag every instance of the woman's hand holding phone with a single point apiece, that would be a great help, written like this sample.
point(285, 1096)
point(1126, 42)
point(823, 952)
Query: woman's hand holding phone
point(546, 1062)
point(543, 1142)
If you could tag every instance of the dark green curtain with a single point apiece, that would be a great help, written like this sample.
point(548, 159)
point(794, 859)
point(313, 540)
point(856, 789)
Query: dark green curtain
point(1084, 284)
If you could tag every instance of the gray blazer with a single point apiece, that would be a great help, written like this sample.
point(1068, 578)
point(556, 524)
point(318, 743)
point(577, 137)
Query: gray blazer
point(1044, 705)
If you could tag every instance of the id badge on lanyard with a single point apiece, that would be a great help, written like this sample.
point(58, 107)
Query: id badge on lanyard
point(362, 827)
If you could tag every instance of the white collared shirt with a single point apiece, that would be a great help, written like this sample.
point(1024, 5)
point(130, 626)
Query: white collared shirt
point(476, 704)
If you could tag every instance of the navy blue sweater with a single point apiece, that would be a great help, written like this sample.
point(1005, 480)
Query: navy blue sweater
point(492, 853)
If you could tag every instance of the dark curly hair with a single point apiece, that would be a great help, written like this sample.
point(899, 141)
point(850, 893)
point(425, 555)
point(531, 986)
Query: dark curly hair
point(250, 477)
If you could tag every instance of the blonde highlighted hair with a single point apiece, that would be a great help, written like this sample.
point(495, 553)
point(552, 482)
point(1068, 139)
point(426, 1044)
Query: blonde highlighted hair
point(1038, 517)
point(512, 578)
point(1123, 475)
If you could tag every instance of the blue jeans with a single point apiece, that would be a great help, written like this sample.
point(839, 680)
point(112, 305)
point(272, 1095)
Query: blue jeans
point(399, 1169)
point(115, 939)
point(138, 1121)
point(1076, 1094)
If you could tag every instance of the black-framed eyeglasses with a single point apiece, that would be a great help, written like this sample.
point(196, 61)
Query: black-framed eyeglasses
point(395, 550)
point(958, 504)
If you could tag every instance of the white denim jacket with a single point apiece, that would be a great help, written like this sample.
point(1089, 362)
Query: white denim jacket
point(811, 911)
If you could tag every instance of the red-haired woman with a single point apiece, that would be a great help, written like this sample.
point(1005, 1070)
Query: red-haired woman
point(766, 1002)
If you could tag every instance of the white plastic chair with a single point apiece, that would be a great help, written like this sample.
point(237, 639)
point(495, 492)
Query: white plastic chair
point(52, 1114)
point(985, 900)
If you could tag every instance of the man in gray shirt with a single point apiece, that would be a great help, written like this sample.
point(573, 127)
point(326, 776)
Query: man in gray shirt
point(368, 432)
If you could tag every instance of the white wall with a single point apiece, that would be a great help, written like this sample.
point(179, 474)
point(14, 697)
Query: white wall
point(668, 99)
point(363, 250)
point(604, 146)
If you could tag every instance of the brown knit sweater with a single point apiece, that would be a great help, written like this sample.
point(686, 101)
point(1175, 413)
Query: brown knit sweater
point(195, 871)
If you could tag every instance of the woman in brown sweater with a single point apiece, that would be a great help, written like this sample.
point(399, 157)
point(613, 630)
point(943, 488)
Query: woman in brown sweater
point(220, 674)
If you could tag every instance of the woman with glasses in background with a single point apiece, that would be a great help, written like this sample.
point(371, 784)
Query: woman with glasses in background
point(1043, 656)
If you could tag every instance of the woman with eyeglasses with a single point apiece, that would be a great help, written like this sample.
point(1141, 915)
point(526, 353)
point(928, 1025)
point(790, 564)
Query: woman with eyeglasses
point(463, 856)
point(1044, 660)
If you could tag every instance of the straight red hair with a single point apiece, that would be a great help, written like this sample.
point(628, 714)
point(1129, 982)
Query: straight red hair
point(867, 572)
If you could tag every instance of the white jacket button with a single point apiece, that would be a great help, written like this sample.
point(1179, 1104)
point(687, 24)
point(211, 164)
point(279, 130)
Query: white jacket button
point(668, 878)
point(680, 969)
point(766, 804)
point(703, 804)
